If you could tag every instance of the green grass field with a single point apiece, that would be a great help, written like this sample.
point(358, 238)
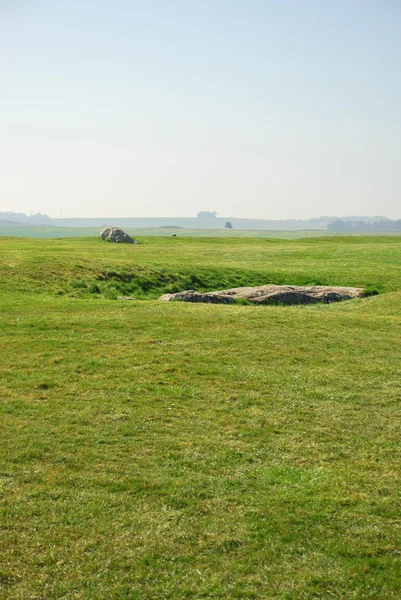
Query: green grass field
point(184, 451)
point(66, 232)
point(50, 232)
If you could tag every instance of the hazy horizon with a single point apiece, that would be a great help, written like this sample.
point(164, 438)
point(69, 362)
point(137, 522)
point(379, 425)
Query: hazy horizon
point(265, 110)
point(217, 217)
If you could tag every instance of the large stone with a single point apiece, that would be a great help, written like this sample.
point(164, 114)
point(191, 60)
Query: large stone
point(270, 294)
point(114, 234)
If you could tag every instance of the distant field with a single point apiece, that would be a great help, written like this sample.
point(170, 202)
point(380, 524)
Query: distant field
point(60, 232)
point(179, 451)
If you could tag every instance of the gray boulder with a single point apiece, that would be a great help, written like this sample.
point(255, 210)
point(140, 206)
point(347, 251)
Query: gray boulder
point(270, 294)
point(114, 234)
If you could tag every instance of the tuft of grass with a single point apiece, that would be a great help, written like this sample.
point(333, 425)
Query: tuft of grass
point(243, 302)
point(371, 290)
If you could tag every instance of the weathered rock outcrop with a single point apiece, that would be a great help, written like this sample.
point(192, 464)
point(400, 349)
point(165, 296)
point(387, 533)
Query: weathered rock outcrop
point(270, 294)
point(114, 234)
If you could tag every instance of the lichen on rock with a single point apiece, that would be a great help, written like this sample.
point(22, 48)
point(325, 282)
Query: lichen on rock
point(270, 294)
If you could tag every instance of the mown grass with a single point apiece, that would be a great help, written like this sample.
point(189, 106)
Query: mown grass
point(159, 265)
point(38, 231)
point(175, 451)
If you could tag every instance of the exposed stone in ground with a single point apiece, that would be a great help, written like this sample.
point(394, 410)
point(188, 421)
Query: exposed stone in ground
point(128, 298)
point(270, 294)
point(117, 235)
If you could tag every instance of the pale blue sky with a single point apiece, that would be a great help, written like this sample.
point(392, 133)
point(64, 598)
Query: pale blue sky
point(259, 108)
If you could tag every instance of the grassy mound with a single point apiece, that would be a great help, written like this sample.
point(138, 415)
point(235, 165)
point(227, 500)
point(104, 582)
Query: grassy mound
point(89, 267)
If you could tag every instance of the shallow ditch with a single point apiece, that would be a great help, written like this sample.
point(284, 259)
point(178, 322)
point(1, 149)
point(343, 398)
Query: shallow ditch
point(143, 283)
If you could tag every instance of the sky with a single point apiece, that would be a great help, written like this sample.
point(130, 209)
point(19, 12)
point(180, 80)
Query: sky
point(261, 108)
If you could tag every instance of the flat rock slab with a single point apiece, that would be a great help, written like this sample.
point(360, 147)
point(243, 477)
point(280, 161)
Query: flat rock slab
point(270, 294)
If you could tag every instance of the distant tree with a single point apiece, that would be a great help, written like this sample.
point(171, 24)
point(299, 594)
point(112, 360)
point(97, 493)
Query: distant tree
point(207, 214)
point(384, 225)
point(337, 225)
point(359, 226)
point(353, 226)
point(37, 219)
point(228, 225)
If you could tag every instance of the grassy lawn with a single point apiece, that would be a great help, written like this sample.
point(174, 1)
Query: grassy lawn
point(180, 451)
point(38, 231)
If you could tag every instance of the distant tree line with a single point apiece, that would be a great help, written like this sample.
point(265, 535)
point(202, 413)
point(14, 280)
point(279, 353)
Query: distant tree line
point(342, 226)
point(22, 218)
point(207, 214)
